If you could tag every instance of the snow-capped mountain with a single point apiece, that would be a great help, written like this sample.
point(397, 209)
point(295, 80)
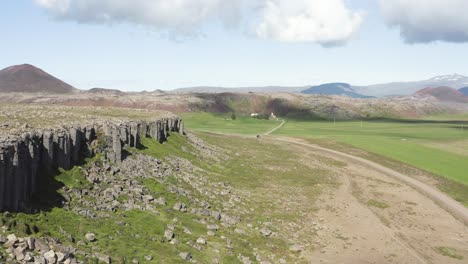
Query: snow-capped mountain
point(455, 81)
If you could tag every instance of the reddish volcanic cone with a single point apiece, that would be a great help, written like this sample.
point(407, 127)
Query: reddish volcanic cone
point(445, 94)
point(29, 79)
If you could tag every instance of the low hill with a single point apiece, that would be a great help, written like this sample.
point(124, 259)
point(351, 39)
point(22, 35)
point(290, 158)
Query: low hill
point(29, 79)
point(444, 94)
point(105, 91)
point(216, 89)
point(464, 91)
point(342, 89)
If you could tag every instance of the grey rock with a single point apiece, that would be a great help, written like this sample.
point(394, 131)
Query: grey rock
point(103, 258)
point(161, 201)
point(239, 231)
point(296, 248)
point(60, 256)
point(174, 241)
point(216, 215)
point(39, 246)
point(187, 231)
point(19, 253)
point(40, 260)
point(185, 255)
point(11, 240)
point(28, 257)
point(148, 198)
point(202, 241)
point(212, 227)
point(265, 232)
point(50, 257)
point(91, 237)
point(168, 234)
point(31, 242)
point(180, 207)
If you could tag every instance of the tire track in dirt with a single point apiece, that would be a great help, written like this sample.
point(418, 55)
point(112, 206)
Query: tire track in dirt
point(455, 208)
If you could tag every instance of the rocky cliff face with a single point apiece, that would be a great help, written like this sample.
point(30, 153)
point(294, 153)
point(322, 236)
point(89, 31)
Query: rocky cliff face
point(26, 159)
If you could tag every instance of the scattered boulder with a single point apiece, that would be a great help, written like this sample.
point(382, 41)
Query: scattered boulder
point(201, 241)
point(103, 258)
point(161, 201)
point(212, 227)
point(180, 207)
point(185, 255)
point(265, 232)
point(169, 234)
point(91, 237)
point(296, 248)
point(50, 256)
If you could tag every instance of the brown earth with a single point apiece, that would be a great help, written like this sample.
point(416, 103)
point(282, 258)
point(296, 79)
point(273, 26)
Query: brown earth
point(29, 79)
point(373, 217)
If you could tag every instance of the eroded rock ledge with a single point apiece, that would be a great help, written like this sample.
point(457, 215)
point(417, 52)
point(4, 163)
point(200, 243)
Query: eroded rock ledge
point(26, 159)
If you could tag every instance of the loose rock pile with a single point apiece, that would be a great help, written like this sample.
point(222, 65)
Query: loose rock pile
point(32, 250)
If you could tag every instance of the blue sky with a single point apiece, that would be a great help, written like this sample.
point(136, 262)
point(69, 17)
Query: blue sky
point(133, 55)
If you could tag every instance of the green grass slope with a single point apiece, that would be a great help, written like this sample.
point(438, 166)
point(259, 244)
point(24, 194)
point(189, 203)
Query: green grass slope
point(438, 146)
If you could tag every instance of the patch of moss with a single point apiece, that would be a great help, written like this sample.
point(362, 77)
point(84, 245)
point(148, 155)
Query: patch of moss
point(449, 252)
point(377, 204)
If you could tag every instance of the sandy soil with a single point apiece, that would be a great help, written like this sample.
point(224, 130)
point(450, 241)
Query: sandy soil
point(373, 217)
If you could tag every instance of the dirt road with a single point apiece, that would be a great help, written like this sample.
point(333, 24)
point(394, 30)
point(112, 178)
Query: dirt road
point(372, 216)
point(443, 200)
point(274, 129)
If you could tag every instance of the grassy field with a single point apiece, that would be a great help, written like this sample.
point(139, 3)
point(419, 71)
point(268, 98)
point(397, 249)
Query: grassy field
point(224, 124)
point(437, 146)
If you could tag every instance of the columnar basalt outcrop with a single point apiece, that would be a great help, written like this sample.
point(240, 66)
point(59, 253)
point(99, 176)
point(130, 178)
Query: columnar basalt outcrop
point(26, 159)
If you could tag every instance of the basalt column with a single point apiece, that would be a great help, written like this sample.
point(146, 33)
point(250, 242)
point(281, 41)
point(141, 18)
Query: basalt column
point(47, 151)
point(21, 163)
point(77, 139)
point(35, 151)
point(26, 161)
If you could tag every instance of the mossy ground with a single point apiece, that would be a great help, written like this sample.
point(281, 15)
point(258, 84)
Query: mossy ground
point(128, 235)
point(378, 204)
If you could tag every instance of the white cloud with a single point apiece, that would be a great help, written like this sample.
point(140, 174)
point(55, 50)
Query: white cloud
point(422, 21)
point(175, 16)
point(328, 22)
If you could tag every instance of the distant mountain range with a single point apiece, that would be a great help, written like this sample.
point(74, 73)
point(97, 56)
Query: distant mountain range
point(29, 79)
point(464, 90)
point(343, 89)
point(455, 81)
point(262, 89)
point(378, 90)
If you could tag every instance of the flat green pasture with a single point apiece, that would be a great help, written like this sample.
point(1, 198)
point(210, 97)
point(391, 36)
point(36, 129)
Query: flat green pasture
point(432, 146)
point(437, 146)
point(208, 122)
